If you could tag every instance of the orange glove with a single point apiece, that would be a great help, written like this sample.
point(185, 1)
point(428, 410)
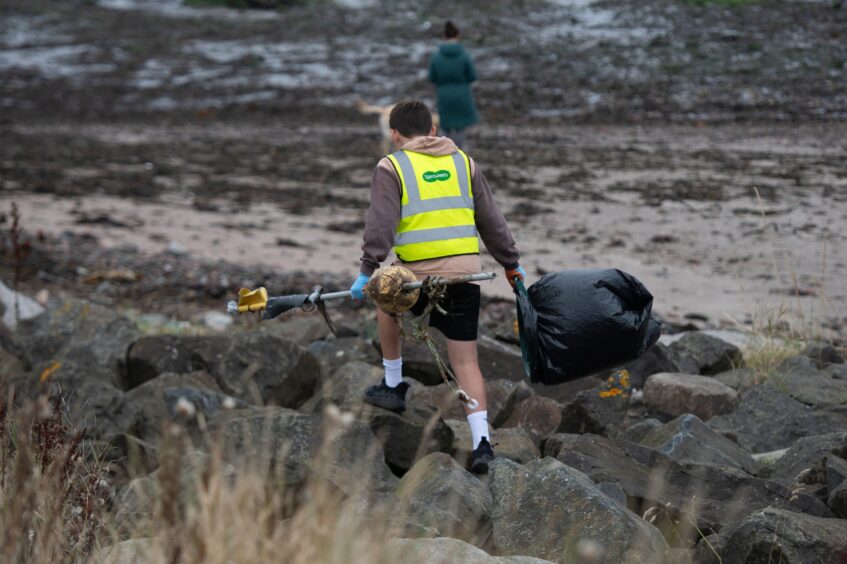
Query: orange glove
point(518, 272)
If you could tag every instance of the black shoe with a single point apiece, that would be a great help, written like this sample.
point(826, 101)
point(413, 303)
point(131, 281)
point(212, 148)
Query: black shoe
point(392, 399)
point(481, 456)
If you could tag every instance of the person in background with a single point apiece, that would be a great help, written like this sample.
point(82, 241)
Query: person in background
point(451, 70)
point(431, 203)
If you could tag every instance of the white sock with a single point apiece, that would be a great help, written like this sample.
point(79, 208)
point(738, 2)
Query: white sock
point(478, 421)
point(393, 371)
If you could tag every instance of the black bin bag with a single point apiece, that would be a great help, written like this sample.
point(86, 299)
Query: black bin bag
point(575, 323)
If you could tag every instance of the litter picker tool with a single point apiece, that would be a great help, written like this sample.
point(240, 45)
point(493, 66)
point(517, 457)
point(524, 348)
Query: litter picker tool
point(273, 306)
point(393, 288)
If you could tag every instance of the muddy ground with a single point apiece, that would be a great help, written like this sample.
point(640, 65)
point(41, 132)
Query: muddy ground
point(699, 146)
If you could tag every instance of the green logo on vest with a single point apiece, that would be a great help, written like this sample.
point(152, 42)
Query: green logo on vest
point(431, 176)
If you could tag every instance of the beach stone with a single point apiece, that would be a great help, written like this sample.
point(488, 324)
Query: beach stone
point(292, 445)
point(837, 501)
point(345, 387)
point(738, 378)
point(658, 358)
point(836, 482)
point(799, 378)
point(651, 479)
point(589, 412)
point(257, 366)
point(807, 453)
point(777, 535)
point(136, 501)
point(689, 439)
point(301, 329)
point(823, 354)
point(708, 549)
point(149, 399)
point(836, 371)
point(515, 443)
point(565, 392)
point(85, 341)
point(766, 420)
point(546, 509)
point(676, 394)
point(437, 493)
point(700, 353)
point(537, 415)
point(335, 353)
point(639, 430)
point(417, 431)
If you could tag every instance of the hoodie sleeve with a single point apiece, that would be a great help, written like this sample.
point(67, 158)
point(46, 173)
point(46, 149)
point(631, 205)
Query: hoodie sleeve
point(383, 217)
point(491, 223)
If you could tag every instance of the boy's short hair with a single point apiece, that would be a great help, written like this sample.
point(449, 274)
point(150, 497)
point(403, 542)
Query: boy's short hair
point(411, 118)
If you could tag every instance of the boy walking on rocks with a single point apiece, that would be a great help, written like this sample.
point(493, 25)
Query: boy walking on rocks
point(431, 203)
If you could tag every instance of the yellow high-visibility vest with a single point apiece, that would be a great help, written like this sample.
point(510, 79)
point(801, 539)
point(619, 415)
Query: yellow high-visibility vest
point(437, 212)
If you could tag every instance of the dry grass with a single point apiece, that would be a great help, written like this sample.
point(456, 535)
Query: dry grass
point(53, 492)
point(772, 341)
point(55, 505)
point(781, 331)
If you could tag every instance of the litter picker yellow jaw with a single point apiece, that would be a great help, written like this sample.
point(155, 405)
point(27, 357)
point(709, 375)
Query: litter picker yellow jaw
point(252, 300)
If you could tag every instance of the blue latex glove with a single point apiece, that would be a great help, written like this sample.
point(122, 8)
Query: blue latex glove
point(518, 272)
point(358, 286)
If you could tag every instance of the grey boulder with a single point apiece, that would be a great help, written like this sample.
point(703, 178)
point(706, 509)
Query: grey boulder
point(689, 439)
point(807, 453)
point(658, 358)
point(800, 378)
point(651, 479)
point(257, 366)
point(700, 353)
point(537, 415)
point(88, 341)
point(410, 435)
point(823, 354)
point(676, 394)
point(589, 412)
point(439, 494)
point(549, 510)
point(292, 446)
point(767, 420)
point(776, 535)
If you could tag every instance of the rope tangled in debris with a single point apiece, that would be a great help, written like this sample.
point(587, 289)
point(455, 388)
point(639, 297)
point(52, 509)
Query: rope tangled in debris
point(435, 290)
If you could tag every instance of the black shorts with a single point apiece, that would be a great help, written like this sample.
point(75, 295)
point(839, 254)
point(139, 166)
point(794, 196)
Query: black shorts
point(461, 323)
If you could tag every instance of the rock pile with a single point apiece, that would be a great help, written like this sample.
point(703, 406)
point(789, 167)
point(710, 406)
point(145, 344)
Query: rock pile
point(706, 463)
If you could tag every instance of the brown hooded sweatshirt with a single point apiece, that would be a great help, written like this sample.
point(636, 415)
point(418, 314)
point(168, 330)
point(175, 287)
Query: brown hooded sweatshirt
point(384, 215)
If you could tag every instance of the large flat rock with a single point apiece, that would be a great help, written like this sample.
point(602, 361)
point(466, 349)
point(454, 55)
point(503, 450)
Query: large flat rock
point(775, 535)
point(767, 420)
point(548, 510)
point(686, 438)
point(676, 394)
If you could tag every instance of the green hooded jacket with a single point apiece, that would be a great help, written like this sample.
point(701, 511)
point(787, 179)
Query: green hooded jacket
point(451, 70)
